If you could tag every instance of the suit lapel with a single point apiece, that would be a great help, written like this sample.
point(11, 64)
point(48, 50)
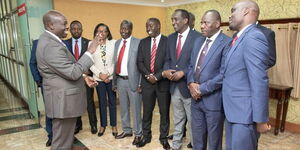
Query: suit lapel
point(83, 46)
point(214, 47)
point(238, 41)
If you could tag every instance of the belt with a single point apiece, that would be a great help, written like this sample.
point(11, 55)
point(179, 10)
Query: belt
point(123, 77)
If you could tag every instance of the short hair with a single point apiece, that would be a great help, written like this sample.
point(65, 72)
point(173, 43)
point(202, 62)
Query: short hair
point(156, 20)
point(75, 22)
point(127, 22)
point(184, 14)
point(215, 13)
point(49, 17)
point(109, 36)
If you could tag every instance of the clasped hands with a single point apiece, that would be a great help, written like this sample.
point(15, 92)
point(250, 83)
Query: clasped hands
point(194, 90)
point(90, 81)
point(104, 77)
point(151, 78)
point(173, 75)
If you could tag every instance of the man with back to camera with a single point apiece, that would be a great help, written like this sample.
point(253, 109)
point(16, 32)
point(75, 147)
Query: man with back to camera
point(78, 45)
point(62, 79)
point(180, 45)
point(245, 85)
point(126, 81)
point(150, 61)
point(205, 81)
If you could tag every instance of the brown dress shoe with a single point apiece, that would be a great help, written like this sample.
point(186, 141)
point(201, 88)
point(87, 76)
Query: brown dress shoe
point(136, 140)
point(123, 135)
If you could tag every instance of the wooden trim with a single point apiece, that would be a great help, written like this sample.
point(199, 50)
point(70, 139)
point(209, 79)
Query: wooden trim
point(271, 21)
point(292, 127)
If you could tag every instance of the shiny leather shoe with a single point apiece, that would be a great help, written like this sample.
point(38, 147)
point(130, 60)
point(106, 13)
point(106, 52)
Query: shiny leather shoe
point(189, 145)
point(93, 129)
point(170, 137)
point(123, 135)
point(100, 133)
point(77, 130)
point(136, 140)
point(114, 131)
point(48, 143)
point(143, 142)
point(165, 144)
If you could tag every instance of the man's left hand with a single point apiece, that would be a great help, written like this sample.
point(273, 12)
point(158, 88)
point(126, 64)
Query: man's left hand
point(151, 78)
point(263, 127)
point(177, 75)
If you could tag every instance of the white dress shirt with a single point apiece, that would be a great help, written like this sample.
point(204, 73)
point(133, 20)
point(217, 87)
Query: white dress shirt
point(124, 71)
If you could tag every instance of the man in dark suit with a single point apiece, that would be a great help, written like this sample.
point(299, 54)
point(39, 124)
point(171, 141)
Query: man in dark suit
point(150, 61)
point(126, 81)
point(39, 81)
point(180, 45)
point(205, 81)
point(245, 88)
point(63, 79)
point(78, 46)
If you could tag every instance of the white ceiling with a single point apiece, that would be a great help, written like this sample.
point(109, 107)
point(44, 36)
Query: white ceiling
point(160, 3)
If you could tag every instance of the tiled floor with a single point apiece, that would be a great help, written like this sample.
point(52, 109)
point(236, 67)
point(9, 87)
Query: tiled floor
point(35, 138)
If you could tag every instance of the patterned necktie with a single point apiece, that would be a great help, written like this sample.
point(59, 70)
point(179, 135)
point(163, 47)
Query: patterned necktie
point(234, 40)
point(121, 54)
point(76, 50)
point(178, 48)
point(201, 60)
point(153, 54)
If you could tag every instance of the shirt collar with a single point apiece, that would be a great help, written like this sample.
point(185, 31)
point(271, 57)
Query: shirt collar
point(54, 36)
point(186, 32)
point(157, 37)
point(214, 36)
point(127, 40)
point(241, 31)
point(74, 40)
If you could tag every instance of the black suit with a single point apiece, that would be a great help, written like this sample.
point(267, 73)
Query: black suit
point(159, 90)
point(89, 91)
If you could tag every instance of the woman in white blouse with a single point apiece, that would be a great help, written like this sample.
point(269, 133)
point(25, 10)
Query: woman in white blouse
point(103, 72)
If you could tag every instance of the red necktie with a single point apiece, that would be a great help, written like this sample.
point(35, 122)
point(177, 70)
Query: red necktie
point(121, 54)
point(233, 41)
point(153, 54)
point(178, 48)
point(76, 50)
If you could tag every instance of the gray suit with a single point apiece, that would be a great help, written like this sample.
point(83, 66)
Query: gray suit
point(62, 81)
point(127, 89)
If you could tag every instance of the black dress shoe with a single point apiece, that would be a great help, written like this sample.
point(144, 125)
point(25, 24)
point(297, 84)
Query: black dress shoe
point(170, 137)
point(123, 135)
point(165, 144)
point(100, 133)
point(143, 142)
point(189, 145)
point(77, 129)
point(48, 143)
point(93, 129)
point(136, 140)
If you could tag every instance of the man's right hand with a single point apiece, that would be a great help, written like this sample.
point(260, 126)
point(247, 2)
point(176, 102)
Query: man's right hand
point(90, 81)
point(94, 44)
point(194, 90)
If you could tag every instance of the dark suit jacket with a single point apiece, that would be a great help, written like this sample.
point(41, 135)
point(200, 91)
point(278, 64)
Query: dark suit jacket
point(84, 45)
point(33, 64)
point(210, 72)
point(182, 64)
point(143, 62)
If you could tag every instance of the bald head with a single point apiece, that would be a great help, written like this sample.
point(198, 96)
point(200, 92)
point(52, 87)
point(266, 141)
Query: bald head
point(243, 13)
point(55, 22)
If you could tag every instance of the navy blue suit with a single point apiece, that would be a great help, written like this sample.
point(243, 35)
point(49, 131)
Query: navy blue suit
point(180, 95)
point(246, 89)
point(207, 112)
point(89, 91)
point(38, 79)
